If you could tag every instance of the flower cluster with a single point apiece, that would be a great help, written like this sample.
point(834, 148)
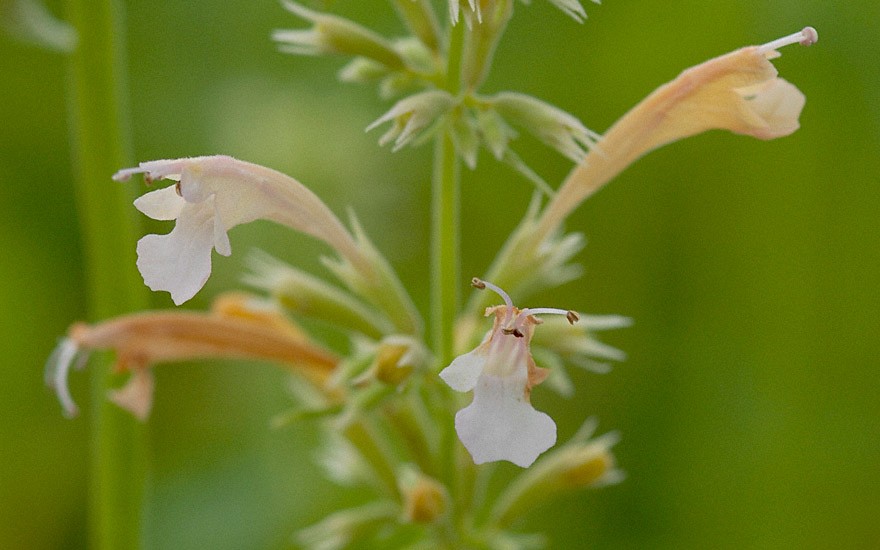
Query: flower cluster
point(387, 418)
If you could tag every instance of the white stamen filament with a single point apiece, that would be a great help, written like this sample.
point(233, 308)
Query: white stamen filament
point(806, 37)
point(520, 319)
point(481, 284)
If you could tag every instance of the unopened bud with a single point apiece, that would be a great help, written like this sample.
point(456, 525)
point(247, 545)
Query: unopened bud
point(552, 125)
point(495, 133)
point(331, 34)
point(572, 8)
point(424, 498)
point(362, 71)
point(578, 464)
point(411, 115)
point(396, 359)
point(419, 17)
point(577, 344)
point(309, 296)
point(466, 140)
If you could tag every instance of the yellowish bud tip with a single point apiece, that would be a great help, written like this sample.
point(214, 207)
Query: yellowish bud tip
point(589, 471)
point(388, 364)
point(425, 502)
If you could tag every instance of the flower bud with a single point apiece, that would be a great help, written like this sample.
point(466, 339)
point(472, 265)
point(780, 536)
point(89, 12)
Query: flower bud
point(467, 142)
point(396, 358)
point(527, 264)
point(553, 126)
point(393, 360)
point(419, 17)
point(345, 528)
point(398, 84)
point(411, 115)
point(495, 132)
point(572, 8)
point(578, 464)
point(482, 39)
point(306, 295)
point(424, 498)
point(331, 34)
point(576, 341)
point(362, 71)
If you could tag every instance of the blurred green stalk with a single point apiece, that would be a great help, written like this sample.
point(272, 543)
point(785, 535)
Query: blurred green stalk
point(100, 145)
point(445, 219)
point(445, 260)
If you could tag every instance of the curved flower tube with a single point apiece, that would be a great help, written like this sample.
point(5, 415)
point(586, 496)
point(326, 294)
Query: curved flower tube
point(214, 194)
point(740, 92)
point(232, 330)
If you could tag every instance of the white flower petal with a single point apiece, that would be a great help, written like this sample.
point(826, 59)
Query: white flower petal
point(162, 204)
point(462, 374)
point(775, 105)
point(501, 424)
point(180, 262)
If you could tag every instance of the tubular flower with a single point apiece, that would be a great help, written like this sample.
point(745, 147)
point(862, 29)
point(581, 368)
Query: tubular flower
point(500, 423)
point(739, 92)
point(214, 194)
point(232, 330)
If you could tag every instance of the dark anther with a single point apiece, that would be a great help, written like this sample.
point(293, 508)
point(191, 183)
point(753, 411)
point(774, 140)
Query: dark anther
point(513, 331)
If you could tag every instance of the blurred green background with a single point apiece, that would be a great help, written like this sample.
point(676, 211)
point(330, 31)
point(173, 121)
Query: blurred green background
point(749, 403)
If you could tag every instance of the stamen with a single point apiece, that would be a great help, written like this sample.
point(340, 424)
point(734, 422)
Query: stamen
point(548, 311)
point(481, 284)
point(806, 37)
point(513, 328)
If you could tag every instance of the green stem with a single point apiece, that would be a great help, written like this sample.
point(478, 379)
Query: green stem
point(444, 286)
point(99, 139)
point(444, 208)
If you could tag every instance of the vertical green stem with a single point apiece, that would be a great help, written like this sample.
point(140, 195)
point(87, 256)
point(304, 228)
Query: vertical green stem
point(444, 285)
point(99, 136)
point(444, 208)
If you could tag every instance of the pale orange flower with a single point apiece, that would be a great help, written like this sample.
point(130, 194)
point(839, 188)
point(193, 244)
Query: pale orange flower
point(740, 92)
point(232, 330)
